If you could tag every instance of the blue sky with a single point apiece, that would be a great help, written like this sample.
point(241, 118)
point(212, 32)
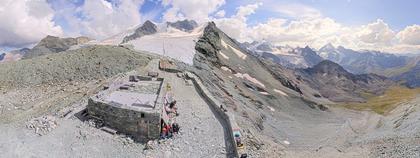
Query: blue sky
point(386, 25)
point(398, 14)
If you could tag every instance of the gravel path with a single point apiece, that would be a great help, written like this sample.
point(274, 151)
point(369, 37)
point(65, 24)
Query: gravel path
point(201, 134)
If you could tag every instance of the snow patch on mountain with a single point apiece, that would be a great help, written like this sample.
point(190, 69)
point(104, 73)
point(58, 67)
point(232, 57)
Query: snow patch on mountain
point(250, 78)
point(224, 55)
point(236, 51)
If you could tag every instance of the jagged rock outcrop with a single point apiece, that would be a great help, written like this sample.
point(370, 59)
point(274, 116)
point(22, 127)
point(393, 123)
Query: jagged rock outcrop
point(336, 84)
point(310, 56)
point(147, 28)
point(209, 44)
point(52, 44)
point(184, 25)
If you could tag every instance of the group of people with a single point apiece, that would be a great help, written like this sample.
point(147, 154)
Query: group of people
point(168, 130)
point(169, 127)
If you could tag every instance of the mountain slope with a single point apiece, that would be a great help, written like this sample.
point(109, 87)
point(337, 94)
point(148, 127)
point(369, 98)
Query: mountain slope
point(51, 44)
point(411, 78)
point(168, 41)
point(184, 25)
point(147, 28)
point(84, 64)
point(336, 84)
point(2, 56)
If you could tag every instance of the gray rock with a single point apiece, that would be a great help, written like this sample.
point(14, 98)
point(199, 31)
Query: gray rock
point(147, 28)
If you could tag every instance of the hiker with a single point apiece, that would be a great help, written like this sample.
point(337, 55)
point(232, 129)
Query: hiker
point(169, 131)
point(175, 128)
point(173, 108)
point(222, 108)
point(238, 140)
point(164, 134)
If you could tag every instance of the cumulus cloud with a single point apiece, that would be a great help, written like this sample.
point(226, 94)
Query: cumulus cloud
point(198, 10)
point(295, 10)
point(236, 25)
point(377, 33)
point(296, 25)
point(309, 27)
point(98, 18)
point(220, 14)
point(410, 35)
point(26, 22)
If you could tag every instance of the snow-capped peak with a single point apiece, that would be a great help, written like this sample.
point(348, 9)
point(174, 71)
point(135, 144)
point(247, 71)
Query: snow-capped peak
point(327, 47)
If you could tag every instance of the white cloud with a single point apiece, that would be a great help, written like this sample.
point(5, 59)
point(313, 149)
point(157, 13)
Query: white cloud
point(297, 11)
point(220, 14)
point(377, 33)
point(309, 27)
point(410, 35)
point(25, 22)
point(312, 32)
point(103, 19)
point(244, 11)
point(236, 26)
point(98, 18)
point(198, 10)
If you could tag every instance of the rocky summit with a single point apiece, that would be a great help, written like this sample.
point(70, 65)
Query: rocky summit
point(147, 28)
point(185, 25)
point(51, 44)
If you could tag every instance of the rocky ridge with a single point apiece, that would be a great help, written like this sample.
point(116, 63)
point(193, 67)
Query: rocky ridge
point(147, 28)
point(337, 84)
point(52, 44)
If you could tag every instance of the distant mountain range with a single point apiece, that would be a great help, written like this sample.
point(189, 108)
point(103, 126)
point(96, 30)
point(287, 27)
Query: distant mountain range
point(285, 55)
point(52, 44)
point(362, 61)
point(47, 45)
point(398, 68)
point(181, 38)
point(2, 56)
point(337, 84)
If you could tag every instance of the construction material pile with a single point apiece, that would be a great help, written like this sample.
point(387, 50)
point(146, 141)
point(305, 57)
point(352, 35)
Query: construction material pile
point(42, 125)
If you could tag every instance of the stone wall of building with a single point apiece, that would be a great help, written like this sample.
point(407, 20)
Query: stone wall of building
point(142, 126)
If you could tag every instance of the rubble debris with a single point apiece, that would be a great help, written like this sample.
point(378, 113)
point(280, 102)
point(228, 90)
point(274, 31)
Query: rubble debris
point(153, 74)
point(109, 130)
point(42, 125)
point(66, 113)
point(131, 79)
point(169, 66)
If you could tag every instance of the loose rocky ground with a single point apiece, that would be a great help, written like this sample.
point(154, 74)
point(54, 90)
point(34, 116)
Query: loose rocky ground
point(274, 124)
point(201, 134)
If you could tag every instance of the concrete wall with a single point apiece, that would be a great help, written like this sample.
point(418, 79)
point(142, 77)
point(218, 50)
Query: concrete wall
point(221, 115)
point(142, 126)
